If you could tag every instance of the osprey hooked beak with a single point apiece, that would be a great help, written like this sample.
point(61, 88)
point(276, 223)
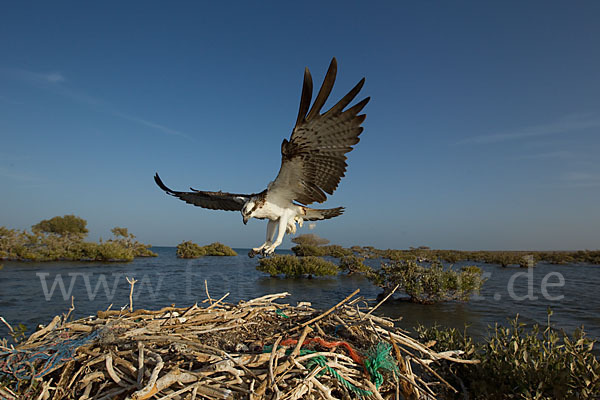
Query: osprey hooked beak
point(247, 211)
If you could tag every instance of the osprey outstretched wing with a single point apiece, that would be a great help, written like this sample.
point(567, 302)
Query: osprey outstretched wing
point(313, 161)
point(211, 200)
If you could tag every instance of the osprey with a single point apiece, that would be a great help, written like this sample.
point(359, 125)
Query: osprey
point(313, 161)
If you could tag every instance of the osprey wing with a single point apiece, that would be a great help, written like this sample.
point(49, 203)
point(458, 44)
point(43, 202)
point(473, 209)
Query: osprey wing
point(313, 161)
point(211, 200)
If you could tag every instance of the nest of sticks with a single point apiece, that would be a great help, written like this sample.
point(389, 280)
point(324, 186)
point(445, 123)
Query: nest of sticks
point(257, 349)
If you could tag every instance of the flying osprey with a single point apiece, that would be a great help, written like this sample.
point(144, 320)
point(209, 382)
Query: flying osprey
point(313, 161)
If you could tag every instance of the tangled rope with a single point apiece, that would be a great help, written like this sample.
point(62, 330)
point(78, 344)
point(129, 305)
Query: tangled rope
point(328, 345)
point(321, 361)
point(376, 359)
point(22, 363)
point(379, 358)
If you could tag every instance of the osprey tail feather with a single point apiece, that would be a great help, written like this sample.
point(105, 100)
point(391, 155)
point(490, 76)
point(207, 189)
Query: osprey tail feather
point(311, 214)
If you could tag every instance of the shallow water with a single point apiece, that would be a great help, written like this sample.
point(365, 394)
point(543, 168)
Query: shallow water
point(31, 293)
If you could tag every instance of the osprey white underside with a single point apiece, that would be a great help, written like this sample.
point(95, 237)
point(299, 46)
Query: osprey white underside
point(282, 216)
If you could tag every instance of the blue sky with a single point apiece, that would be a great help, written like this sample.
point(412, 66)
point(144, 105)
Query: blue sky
point(482, 132)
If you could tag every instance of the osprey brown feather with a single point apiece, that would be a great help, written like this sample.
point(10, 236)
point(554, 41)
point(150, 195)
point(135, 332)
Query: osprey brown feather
point(313, 161)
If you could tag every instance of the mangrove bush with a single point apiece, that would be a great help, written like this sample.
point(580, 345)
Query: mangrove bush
point(293, 267)
point(188, 249)
point(520, 363)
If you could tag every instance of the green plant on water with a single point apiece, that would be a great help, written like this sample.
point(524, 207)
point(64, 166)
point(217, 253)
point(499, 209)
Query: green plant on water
point(333, 250)
point(188, 249)
point(292, 267)
point(354, 265)
point(113, 251)
point(520, 363)
point(427, 284)
point(309, 239)
point(219, 249)
point(304, 250)
point(61, 238)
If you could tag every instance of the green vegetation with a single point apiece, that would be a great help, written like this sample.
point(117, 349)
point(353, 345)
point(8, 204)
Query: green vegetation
point(188, 249)
point(313, 245)
point(310, 239)
point(428, 284)
point(294, 267)
point(125, 239)
point(523, 259)
point(333, 250)
point(62, 238)
point(62, 226)
point(540, 363)
point(504, 258)
point(354, 265)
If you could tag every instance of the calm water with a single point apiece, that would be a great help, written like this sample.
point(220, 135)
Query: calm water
point(31, 293)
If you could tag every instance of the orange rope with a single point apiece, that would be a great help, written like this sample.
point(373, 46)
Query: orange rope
point(353, 353)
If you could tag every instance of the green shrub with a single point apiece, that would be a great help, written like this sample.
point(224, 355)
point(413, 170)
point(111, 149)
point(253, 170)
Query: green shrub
point(540, 363)
point(126, 239)
point(189, 249)
point(65, 225)
point(219, 249)
point(304, 250)
point(309, 239)
point(333, 250)
point(337, 251)
point(293, 267)
point(113, 251)
point(61, 238)
point(353, 264)
point(429, 284)
point(143, 250)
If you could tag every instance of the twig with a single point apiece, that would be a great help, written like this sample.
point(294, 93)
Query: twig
point(218, 301)
point(7, 324)
point(326, 312)
point(70, 310)
point(151, 388)
point(140, 376)
point(132, 282)
point(382, 301)
point(207, 294)
point(305, 333)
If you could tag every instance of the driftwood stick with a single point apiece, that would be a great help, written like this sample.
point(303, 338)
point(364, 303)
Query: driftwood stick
point(111, 371)
point(272, 360)
point(266, 298)
point(408, 388)
point(323, 315)
point(195, 391)
point(207, 294)
point(305, 332)
point(132, 282)
point(10, 328)
point(382, 301)
point(151, 388)
point(66, 318)
point(53, 324)
point(140, 376)
point(218, 301)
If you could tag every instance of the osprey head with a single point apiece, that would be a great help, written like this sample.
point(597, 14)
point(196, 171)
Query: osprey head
point(248, 209)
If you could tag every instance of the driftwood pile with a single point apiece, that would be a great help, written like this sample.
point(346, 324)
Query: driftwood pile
point(257, 349)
